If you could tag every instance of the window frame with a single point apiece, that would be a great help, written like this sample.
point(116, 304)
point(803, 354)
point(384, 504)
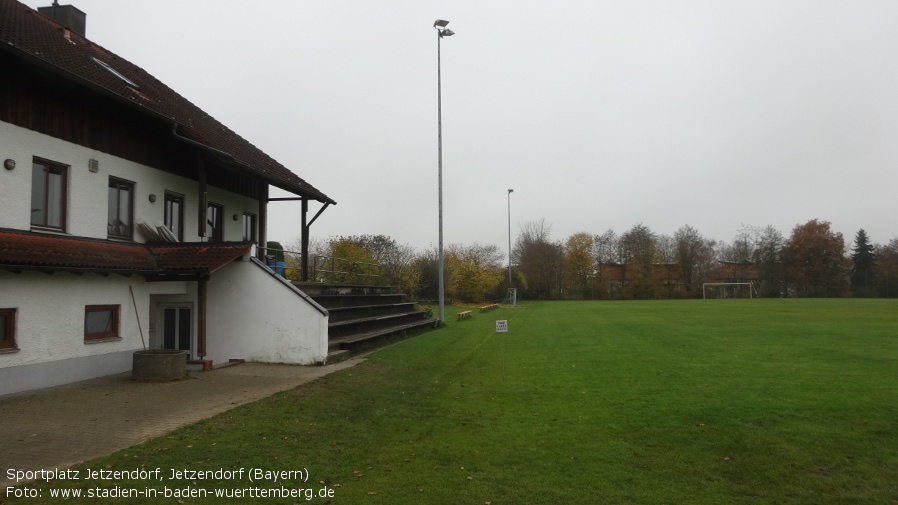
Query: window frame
point(10, 328)
point(103, 335)
point(63, 171)
point(215, 233)
point(119, 184)
point(167, 218)
point(252, 220)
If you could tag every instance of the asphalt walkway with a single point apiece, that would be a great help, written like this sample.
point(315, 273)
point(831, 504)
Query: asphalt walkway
point(65, 425)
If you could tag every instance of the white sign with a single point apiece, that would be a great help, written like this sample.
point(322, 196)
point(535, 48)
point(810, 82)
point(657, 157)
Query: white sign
point(502, 326)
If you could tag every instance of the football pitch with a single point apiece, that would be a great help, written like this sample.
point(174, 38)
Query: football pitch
point(660, 402)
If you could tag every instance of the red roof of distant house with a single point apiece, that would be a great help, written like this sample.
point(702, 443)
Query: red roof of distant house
point(33, 36)
point(34, 251)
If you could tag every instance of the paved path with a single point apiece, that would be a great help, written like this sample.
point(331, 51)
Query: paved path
point(65, 425)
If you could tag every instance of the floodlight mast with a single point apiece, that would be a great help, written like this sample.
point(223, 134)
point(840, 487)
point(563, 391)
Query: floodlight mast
point(510, 283)
point(442, 31)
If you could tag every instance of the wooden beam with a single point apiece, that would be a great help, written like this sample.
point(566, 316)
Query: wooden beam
point(263, 222)
point(201, 317)
point(201, 200)
point(304, 260)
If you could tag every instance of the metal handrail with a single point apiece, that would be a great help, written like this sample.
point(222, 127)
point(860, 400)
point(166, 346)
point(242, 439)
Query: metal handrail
point(328, 274)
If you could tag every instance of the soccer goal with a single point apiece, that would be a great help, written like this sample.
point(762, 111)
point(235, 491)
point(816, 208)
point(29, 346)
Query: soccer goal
point(511, 297)
point(728, 290)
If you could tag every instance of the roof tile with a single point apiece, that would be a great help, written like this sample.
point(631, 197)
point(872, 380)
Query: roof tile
point(24, 31)
point(27, 250)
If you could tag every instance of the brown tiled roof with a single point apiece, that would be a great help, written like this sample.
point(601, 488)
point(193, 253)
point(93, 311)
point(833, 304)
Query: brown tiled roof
point(34, 251)
point(33, 36)
point(204, 257)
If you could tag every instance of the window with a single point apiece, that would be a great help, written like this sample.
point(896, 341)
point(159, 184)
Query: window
point(101, 321)
point(214, 222)
point(120, 221)
point(48, 194)
point(116, 73)
point(174, 215)
point(7, 329)
point(249, 227)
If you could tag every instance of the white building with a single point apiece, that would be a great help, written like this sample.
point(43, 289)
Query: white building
point(130, 219)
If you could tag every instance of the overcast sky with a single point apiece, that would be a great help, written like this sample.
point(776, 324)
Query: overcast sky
point(599, 114)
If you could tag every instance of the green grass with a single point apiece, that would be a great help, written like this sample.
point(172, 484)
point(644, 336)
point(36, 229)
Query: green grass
point(681, 402)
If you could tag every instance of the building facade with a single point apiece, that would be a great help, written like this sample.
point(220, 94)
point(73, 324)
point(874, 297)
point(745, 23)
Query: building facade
point(130, 219)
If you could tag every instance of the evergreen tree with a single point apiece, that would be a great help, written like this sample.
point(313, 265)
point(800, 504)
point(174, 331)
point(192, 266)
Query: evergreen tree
point(863, 276)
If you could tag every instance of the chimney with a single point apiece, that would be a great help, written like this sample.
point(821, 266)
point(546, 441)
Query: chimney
point(68, 16)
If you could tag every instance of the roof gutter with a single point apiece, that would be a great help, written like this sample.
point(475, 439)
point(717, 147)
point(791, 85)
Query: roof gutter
point(228, 159)
point(225, 157)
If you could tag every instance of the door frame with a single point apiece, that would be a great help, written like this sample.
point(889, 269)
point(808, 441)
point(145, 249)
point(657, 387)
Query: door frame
point(191, 339)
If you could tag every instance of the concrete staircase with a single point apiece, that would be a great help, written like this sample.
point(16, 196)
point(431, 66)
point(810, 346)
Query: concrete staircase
point(363, 317)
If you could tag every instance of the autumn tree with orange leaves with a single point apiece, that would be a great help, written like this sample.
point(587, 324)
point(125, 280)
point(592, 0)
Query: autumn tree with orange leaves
point(816, 265)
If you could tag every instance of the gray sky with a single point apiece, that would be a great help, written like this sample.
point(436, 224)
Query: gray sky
point(599, 114)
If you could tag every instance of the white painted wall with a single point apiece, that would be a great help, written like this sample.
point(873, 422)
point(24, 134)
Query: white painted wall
point(256, 316)
point(50, 326)
point(87, 191)
point(50, 308)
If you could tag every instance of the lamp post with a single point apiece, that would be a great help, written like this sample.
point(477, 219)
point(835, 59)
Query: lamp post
point(442, 31)
point(510, 191)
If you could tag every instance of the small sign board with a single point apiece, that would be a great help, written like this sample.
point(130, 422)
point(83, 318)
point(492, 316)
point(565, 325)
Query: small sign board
point(502, 326)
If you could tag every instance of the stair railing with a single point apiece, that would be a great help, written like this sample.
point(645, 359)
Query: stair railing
point(324, 269)
point(333, 270)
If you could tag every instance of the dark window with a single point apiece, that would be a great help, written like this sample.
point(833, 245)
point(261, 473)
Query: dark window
point(120, 221)
point(174, 215)
point(101, 321)
point(48, 194)
point(214, 222)
point(7, 328)
point(249, 227)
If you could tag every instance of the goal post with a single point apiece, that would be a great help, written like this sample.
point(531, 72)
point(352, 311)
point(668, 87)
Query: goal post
point(730, 289)
point(511, 297)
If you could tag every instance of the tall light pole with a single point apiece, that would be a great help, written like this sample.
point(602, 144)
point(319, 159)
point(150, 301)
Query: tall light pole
point(510, 191)
point(442, 31)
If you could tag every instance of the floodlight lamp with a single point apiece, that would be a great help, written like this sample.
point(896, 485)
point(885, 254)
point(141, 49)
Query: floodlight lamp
point(446, 33)
point(441, 23)
point(510, 191)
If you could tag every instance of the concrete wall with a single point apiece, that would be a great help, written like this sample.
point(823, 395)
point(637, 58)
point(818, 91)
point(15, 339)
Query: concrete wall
point(87, 191)
point(258, 316)
point(50, 343)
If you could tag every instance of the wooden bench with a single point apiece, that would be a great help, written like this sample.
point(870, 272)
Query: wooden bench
point(464, 313)
point(487, 308)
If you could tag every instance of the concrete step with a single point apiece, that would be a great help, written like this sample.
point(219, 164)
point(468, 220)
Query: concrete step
point(356, 300)
point(337, 355)
point(338, 314)
point(347, 328)
point(314, 289)
point(366, 340)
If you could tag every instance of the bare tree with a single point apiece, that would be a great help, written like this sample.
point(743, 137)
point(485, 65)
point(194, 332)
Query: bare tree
point(539, 261)
point(688, 242)
point(639, 242)
point(768, 256)
point(604, 251)
point(667, 254)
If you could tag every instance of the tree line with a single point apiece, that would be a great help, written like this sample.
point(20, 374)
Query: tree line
point(813, 261)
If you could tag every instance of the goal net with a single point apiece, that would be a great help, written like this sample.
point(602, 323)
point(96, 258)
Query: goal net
point(510, 298)
point(728, 290)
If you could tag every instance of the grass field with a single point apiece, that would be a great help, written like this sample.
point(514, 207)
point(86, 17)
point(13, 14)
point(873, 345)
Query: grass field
point(682, 402)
